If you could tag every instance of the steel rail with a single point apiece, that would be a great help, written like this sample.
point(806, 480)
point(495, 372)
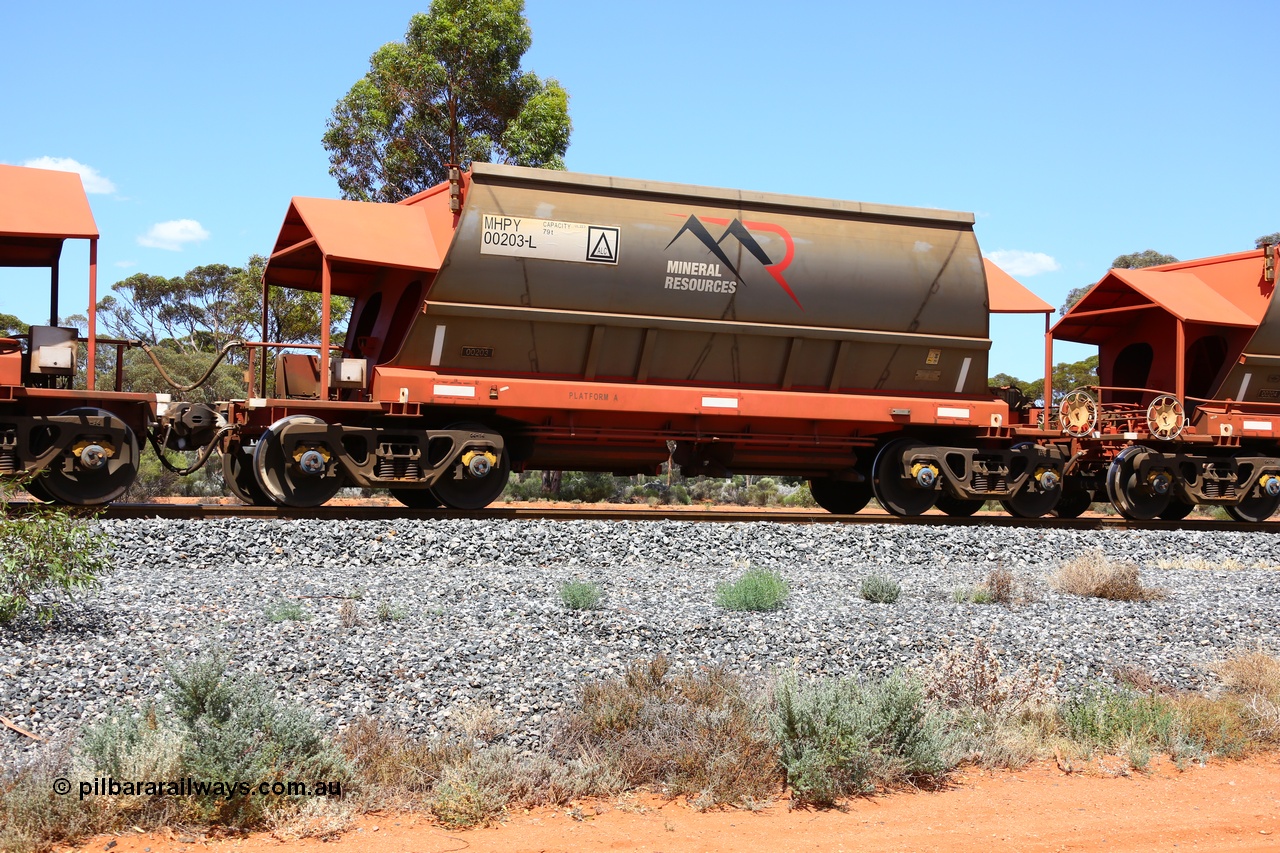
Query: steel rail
point(638, 513)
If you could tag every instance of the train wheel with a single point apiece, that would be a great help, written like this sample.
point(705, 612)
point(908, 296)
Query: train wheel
point(478, 484)
point(1133, 498)
point(899, 494)
point(839, 496)
point(416, 498)
point(288, 482)
point(1254, 510)
point(1073, 503)
point(1176, 510)
point(1033, 500)
point(958, 507)
point(237, 473)
point(91, 473)
point(37, 490)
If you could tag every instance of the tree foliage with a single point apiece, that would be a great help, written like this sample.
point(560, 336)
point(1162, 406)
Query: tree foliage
point(1267, 240)
point(1067, 376)
point(11, 325)
point(1131, 261)
point(1145, 258)
point(188, 319)
point(452, 92)
point(46, 557)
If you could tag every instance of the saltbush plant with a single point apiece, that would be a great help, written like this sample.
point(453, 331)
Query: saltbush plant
point(838, 737)
point(880, 590)
point(580, 595)
point(287, 611)
point(757, 589)
point(47, 556)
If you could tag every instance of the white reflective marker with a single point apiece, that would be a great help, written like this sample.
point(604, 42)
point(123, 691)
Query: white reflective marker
point(453, 390)
point(437, 347)
point(964, 373)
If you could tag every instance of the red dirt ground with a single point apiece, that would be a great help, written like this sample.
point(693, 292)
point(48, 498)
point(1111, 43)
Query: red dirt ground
point(1223, 807)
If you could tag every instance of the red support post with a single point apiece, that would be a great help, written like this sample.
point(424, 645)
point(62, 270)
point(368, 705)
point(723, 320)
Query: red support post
point(92, 364)
point(263, 367)
point(326, 290)
point(1048, 370)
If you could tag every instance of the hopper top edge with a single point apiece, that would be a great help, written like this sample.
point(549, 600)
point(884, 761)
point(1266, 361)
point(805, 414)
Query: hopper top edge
point(497, 173)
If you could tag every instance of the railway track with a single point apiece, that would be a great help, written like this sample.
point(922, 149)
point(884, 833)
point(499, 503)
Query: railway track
point(645, 513)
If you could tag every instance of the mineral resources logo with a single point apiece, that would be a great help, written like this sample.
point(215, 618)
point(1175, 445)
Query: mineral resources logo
point(724, 277)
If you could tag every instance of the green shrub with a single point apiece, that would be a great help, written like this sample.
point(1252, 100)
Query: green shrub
point(880, 590)
point(838, 737)
point(234, 728)
point(388, 612)
point(526, 486)
point(588, 486)
point(47, 555)
point(460, 800)
point(287, 611)
point(762, 492)
point(757, 589)
point(1108, 720)
point(979, 594)
point(800, 497)
point(580, 595)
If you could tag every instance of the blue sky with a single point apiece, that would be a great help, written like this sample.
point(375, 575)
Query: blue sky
point(1076, 132)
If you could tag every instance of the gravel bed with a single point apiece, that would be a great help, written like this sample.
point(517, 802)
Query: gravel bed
point(482, 622)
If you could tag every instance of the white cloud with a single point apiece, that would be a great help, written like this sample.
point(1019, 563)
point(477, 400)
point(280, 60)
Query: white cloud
point(124, 265)
point(1018, 262)
point(173, 235)
point(93, 182)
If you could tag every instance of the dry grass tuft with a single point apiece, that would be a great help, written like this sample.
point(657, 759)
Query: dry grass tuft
point(1139, 680)
point(396, 769)
point(1002, 585)
point(1253, 673)
point(1094, 575)
point(698, 734)
point(349, 614)
point(972, 678)
point(318, 817)
point(1254, 677)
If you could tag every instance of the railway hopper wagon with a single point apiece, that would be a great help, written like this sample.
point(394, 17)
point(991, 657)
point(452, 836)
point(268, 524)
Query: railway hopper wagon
point(1187, 410)
point(515, 318)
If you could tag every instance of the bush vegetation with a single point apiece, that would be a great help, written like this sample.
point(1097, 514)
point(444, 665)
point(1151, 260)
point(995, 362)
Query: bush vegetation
point(704, 734)
point(675, 489)
point(287, 611)
point(47, 556)
point(837, 736)
point(1001, 586)
point(880, 590)
point(580, 595)
point(207, 725)
point(757, 589)
point(1094, 575)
